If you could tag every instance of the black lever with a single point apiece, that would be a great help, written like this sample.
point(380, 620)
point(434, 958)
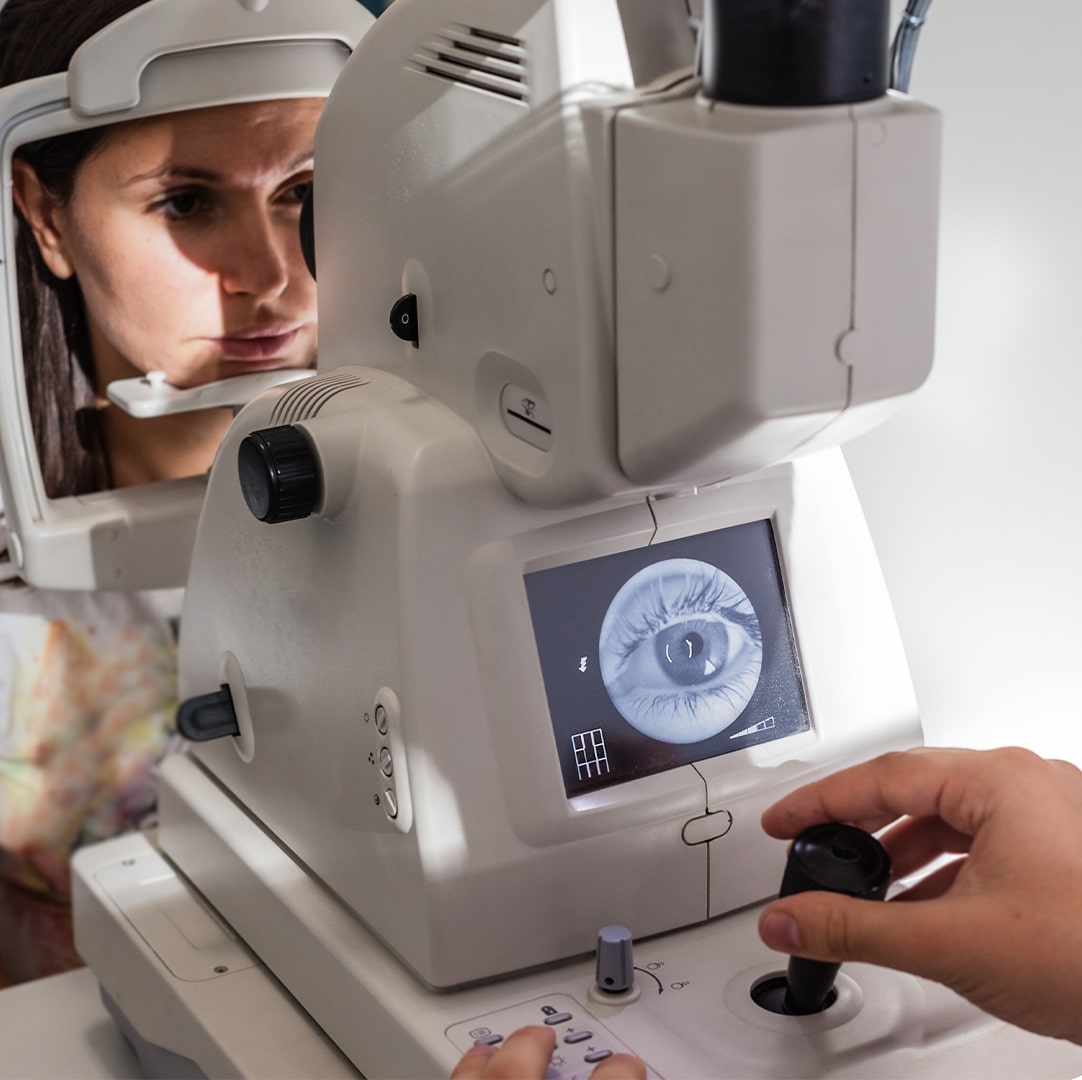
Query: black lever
point(831, 858)
point(834, 858)
point(208, 716)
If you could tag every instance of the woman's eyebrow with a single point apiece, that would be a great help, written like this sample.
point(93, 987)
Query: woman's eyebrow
point(169, 170)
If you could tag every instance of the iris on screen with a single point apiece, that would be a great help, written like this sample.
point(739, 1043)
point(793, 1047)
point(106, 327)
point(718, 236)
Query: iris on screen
point(680, 651)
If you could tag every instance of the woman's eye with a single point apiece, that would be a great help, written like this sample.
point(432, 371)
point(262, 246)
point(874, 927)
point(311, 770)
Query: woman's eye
point(297, 193)
point(680, 651)
point(181, 205)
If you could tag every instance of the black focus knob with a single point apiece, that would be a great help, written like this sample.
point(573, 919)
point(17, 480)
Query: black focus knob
point(833, 858)
point(279, 472)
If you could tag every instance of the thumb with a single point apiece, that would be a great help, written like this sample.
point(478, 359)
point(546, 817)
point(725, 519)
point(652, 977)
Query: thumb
point(828, 926)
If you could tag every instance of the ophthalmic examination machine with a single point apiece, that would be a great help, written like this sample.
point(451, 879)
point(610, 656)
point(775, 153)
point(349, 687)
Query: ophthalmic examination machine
point(502, 630)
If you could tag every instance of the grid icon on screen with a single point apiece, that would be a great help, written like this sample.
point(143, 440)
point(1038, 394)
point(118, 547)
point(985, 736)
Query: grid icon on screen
point(591, 758)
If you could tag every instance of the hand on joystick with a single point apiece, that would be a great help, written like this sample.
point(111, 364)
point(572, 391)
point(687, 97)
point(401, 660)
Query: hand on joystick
point(989, 843)
point(830, 858)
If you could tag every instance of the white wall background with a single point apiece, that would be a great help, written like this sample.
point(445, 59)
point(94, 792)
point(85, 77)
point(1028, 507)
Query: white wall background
point(974, 492)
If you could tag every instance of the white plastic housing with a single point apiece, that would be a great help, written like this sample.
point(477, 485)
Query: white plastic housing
point(406, 592)
point(685, 291)
point(143, 929)
point(164, 56)
point(775, 278)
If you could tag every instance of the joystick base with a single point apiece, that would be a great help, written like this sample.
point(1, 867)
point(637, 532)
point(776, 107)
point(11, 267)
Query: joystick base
point(771, 993)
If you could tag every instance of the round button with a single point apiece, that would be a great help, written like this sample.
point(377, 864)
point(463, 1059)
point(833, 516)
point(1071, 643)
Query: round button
point(390, 803)
point(381, 720)
point(386, 765)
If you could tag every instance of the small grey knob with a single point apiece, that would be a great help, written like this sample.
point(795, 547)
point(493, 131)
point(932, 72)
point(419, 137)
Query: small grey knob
point(615, 963)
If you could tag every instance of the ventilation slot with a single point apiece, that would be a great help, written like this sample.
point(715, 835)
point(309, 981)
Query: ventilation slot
point(304, 399)
point(479, 59)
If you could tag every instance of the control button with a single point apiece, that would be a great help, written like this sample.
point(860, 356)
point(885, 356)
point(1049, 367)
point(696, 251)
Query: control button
point(558, 1018)
point(404, 319)
point(391, 757)
point(597, 1055)
point(708, 827)
point(578, 1036)
point(381, 720)
point(488, 1040)
point(390, 803)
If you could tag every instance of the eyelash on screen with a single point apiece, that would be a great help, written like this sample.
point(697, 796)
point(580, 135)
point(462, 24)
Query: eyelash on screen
point(652, 617)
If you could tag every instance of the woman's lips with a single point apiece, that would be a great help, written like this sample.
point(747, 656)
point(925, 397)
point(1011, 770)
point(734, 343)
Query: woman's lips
point(256, 347)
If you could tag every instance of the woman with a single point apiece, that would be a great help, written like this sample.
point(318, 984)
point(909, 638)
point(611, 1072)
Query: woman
point(172, 252)
point(171, 244)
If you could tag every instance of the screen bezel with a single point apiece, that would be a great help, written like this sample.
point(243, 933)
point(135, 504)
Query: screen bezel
point(570, 607)
point(539, 809)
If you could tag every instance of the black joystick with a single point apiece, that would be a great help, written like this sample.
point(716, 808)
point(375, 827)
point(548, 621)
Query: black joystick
point(832, 858)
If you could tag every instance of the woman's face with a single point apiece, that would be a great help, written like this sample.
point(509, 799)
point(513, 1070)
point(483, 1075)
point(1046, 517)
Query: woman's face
point(182, 232)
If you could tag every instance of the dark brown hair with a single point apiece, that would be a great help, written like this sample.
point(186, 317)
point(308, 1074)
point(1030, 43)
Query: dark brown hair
point(39, 37)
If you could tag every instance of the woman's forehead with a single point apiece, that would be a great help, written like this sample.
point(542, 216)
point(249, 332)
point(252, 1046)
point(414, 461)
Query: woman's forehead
point(226, 139)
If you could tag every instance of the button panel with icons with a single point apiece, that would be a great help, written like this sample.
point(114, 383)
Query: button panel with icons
point(581, 1040)
point(387, 760)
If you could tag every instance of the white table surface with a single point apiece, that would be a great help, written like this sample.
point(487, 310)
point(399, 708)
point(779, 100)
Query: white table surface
point(57, 1028)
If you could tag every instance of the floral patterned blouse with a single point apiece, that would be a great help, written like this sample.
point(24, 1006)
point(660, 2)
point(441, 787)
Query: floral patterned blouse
point(87, 699)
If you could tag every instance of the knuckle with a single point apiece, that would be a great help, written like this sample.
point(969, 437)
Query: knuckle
point(894, 757)
point(836, 933)
point(1017, 757)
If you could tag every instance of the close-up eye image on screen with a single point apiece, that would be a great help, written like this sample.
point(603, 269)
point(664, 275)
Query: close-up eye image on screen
point(665, 655)
point(680, 651)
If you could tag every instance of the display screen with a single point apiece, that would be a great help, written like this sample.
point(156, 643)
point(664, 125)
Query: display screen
point(665, 655)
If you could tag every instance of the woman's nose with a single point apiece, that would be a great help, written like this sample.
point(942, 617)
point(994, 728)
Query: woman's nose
point(255, 256)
